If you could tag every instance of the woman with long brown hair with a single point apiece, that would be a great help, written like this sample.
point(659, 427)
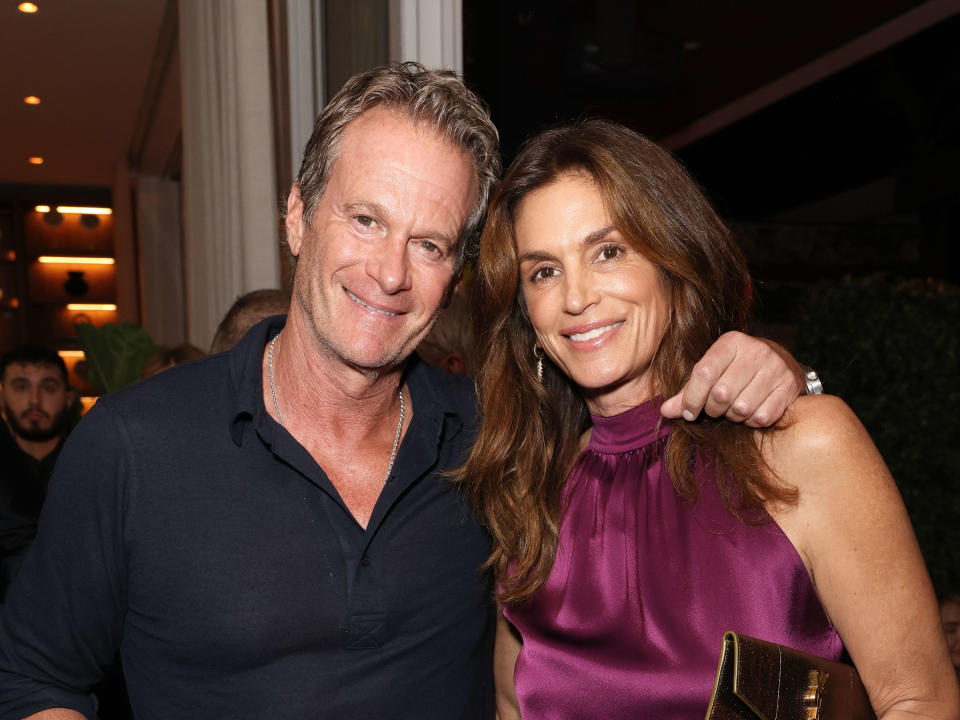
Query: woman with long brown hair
point(624, 545)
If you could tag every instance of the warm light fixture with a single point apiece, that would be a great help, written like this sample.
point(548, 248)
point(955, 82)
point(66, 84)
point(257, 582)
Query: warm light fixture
point(71, 354)
point(88, 401)
point(31, 100)
point(35, 160)
point(83, 210)
point(27, 7)
point(75, 209)
point(91, 306)
point(63, 259)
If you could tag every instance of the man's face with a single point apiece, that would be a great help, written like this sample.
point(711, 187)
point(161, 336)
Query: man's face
point(377, 260)
point(36, 400)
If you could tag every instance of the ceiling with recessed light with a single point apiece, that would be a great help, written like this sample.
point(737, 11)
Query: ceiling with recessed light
point(88, 62)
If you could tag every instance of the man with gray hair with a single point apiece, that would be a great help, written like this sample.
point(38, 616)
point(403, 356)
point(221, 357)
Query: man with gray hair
point(272, 532)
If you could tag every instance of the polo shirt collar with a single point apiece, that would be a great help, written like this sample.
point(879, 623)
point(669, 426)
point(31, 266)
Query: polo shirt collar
point(246, 376)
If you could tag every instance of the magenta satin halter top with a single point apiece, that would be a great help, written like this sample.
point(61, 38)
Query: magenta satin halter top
point(630, 622)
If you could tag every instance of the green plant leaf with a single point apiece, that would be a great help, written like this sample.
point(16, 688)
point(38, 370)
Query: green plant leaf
point(115, 352)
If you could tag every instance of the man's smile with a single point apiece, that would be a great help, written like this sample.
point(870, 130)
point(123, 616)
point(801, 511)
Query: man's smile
point(381, 311)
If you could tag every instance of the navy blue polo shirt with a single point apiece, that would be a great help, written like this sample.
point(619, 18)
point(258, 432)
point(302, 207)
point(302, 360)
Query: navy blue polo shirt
point(189, 529)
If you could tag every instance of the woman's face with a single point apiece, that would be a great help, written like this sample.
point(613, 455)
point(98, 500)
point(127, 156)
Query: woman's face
point(950, 617)
point(599, 308)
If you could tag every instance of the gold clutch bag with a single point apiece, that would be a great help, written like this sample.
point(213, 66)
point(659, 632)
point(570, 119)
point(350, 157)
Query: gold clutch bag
point(758, 680)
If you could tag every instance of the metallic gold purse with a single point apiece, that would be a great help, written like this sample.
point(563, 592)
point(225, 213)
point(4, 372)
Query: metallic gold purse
point(758, 680)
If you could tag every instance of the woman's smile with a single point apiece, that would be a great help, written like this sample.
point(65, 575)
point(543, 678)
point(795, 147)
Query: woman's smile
point(579, 336)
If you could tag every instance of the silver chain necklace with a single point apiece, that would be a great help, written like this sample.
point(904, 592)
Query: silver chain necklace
point(276, 406)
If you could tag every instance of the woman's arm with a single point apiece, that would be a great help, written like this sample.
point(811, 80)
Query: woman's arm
point(505, 653)
point(852, 531)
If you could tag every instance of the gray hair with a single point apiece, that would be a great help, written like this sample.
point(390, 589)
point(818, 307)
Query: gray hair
point(436, 97)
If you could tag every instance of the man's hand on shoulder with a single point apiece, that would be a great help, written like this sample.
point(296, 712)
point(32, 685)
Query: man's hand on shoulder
point(742, 378)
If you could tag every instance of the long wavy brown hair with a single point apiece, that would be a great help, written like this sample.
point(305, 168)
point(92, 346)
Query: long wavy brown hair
point(531, 430)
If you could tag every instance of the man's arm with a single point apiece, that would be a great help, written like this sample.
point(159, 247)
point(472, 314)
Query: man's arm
point(64, 612)
point(56, 714)
point(746, 379)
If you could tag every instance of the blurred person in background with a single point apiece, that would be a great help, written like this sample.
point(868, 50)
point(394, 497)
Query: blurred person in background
point(246, 311)
point(950, 618)
point(36, 400)
point(450, 344)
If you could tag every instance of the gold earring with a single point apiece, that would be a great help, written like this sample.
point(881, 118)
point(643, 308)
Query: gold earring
point(538, 354)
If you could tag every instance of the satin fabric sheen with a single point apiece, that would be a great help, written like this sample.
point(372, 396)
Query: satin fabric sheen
point(630, 622)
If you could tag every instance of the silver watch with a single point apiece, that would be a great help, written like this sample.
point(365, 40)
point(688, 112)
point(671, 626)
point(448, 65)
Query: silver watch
point(812, 381)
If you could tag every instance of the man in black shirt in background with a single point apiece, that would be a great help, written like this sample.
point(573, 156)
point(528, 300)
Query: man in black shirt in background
point(36, 399)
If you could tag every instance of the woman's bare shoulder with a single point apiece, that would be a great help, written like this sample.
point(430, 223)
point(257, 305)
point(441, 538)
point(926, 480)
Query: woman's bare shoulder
point(818, 438)
point(817, 421)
